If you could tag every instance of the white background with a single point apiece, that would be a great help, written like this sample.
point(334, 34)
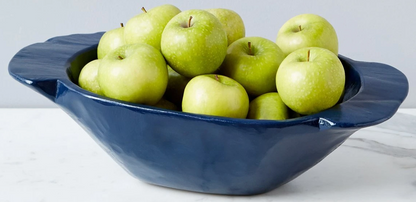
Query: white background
point(377, 31)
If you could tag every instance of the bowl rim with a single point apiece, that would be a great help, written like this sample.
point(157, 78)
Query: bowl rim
point(43, 67)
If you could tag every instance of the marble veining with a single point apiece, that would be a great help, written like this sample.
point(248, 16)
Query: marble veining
point(381, 148)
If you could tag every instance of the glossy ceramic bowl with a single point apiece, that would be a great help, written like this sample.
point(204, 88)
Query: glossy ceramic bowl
point(205, 153)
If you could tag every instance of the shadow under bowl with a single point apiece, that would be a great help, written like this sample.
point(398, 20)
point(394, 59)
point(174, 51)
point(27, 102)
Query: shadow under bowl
point(206, 153)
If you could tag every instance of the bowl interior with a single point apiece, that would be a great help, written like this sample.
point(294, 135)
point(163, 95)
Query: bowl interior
point(352, 82)
point(79, 62)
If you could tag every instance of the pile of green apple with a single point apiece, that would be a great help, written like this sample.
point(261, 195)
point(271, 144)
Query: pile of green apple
point(200, 61)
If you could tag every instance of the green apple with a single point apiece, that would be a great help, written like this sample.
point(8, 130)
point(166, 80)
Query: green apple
point(88, 77)
point(307, 30)
point(217, 95)
point(147, 27)
point(194, 43)
point(110, 40)
point(310, 80)
point(268, 106)
point(134, 73)
point(176, 86)
point(231, 22)
point(166, 104)
point(253, 62)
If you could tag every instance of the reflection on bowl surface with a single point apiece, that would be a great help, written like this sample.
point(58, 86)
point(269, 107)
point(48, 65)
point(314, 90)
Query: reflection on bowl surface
point(205, 153)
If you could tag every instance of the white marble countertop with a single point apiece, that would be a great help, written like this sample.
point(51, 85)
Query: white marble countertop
point(45, 156)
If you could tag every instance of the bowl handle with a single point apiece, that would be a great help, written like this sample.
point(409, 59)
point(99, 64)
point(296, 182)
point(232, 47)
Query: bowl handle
point(39, 66)
point(383, 89)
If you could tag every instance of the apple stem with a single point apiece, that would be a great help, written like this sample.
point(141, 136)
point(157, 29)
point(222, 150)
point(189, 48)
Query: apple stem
point(300, 27)
point(120, 57)
point(217, 78)
point(309, 54)
point(189, 21)
point(250, 52)
point(121, 24)
point(144, 10)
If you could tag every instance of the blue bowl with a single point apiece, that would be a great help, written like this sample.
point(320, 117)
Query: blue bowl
point(206, 153)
